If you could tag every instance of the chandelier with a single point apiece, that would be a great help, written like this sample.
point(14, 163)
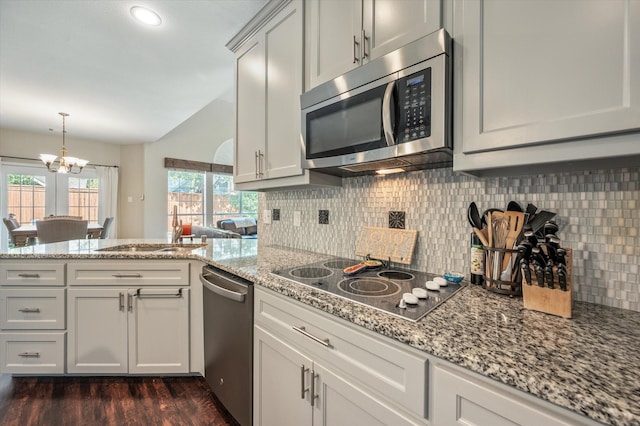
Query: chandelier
point(65, 163)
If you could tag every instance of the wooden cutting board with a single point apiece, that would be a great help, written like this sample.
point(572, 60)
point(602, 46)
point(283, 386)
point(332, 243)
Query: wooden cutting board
point(387, 243)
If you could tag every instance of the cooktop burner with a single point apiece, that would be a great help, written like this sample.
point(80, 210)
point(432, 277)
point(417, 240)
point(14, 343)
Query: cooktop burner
point(371, 287)
point(310, 272)
point(380, 288)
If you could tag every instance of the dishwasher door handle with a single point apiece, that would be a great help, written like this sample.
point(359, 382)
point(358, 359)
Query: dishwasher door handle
point(229, 294)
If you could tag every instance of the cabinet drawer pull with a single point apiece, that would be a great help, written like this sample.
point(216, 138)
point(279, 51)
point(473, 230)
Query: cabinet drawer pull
point(324, 342)
point(126, 276)
point(29, 275)
point(29, 354)
point(158, 295)
point(303, 391)
point(30, 310)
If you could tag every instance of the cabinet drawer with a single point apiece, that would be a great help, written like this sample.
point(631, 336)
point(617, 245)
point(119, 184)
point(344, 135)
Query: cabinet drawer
point(31, 274)
point(128, 273)
point(37, 353)
point(393, 372)
point(35, 309)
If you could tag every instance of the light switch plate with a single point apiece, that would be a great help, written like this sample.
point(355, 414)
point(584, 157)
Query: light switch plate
point(266, 216)
point(297, 218)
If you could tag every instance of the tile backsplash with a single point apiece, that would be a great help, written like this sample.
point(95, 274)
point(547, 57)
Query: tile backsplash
point(598, 215)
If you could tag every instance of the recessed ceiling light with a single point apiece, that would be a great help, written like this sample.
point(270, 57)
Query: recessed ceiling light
point(146, 16)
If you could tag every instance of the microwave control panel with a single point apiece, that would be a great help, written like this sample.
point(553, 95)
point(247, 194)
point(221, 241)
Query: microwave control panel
point(414, 101)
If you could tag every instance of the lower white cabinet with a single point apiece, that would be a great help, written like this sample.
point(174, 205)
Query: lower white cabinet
point(124, 330)
point(291, 388)
point(32, 353)
point(312, 369)
point(461, 398)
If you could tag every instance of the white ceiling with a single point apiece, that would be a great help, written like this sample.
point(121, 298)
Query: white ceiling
point(120, 81)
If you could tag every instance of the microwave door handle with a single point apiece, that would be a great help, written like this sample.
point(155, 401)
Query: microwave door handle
point(387, 125)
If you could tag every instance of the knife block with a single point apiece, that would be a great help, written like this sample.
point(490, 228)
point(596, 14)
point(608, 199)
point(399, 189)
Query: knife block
point(550, 300)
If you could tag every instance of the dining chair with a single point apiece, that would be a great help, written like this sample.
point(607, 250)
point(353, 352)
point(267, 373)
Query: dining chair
point(106, 227)
point(52, 231)
point(56, 217)
point(11, 224)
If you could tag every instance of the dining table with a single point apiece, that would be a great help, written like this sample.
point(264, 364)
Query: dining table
point(27, 234)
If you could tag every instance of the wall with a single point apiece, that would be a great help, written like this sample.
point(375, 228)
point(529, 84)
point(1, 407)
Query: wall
point(598, 215)
point(18, 143)
point(131, 192)
point(196, 139)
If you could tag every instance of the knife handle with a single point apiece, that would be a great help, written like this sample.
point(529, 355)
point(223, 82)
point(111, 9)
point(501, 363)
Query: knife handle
point(539, 272)
point(562, 277)
point(548, 274)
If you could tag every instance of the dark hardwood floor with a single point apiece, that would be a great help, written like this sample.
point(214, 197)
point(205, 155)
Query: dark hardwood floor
point(41, 401)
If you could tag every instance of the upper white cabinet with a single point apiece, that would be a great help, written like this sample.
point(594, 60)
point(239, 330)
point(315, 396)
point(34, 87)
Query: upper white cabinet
point(544, 82)
point(342, 35)
point(269, 81)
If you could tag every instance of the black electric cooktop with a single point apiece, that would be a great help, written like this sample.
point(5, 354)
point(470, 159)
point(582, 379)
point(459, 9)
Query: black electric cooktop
point(381, 288)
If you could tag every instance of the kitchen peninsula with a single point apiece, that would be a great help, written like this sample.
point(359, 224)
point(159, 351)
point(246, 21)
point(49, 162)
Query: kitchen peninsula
point(587, 365)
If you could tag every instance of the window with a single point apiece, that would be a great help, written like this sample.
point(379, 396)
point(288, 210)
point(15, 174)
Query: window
point(186, 191)
point(83, 198)
point(26, 194)
point(228, 203)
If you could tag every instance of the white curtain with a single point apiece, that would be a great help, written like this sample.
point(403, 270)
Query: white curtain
point(108, 195)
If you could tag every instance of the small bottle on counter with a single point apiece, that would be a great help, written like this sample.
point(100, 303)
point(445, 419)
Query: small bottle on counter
point(476, 260)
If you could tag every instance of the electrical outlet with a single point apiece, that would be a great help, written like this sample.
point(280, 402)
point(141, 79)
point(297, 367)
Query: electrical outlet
point(275, 214)
point(297, 218)
point(266, 216)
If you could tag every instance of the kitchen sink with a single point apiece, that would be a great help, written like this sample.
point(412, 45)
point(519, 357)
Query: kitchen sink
point(161, 248)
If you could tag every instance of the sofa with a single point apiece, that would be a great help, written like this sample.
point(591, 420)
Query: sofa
point(247, 227)
point(199, 231)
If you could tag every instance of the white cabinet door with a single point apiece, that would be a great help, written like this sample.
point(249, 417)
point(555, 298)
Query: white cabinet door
point(390, 24)
point(340, 402)
point(268, 88)
point(250, 101)
point(281, 382)
point(333, 39)
point(460, 399)
point(159, 330)
point(97, 331)
point(532, 72)
point(284, 60)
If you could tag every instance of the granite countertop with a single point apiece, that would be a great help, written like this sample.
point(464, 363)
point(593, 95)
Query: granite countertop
point(588, 364)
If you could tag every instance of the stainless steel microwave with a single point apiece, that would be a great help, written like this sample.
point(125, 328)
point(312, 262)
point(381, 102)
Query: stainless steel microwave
point(390, 114)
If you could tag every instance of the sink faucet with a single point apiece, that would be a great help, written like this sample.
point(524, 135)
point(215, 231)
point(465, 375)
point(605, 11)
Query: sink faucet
point(176, 225)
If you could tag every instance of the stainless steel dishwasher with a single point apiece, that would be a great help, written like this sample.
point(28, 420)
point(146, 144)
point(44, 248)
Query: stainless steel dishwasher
point(228, 340)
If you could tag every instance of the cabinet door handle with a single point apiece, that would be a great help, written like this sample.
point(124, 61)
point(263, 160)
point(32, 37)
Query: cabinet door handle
point(256, 160)
point(29, 275)
point(130, 302)
point(303, 391)
point(30, 310)
point(141, 295)
point(355, 54)
point(122, 302)
point(323, 342)
point(260, 161)
point(364, 40)
point(127, 275)
point(314, 376)
point(29, 354)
